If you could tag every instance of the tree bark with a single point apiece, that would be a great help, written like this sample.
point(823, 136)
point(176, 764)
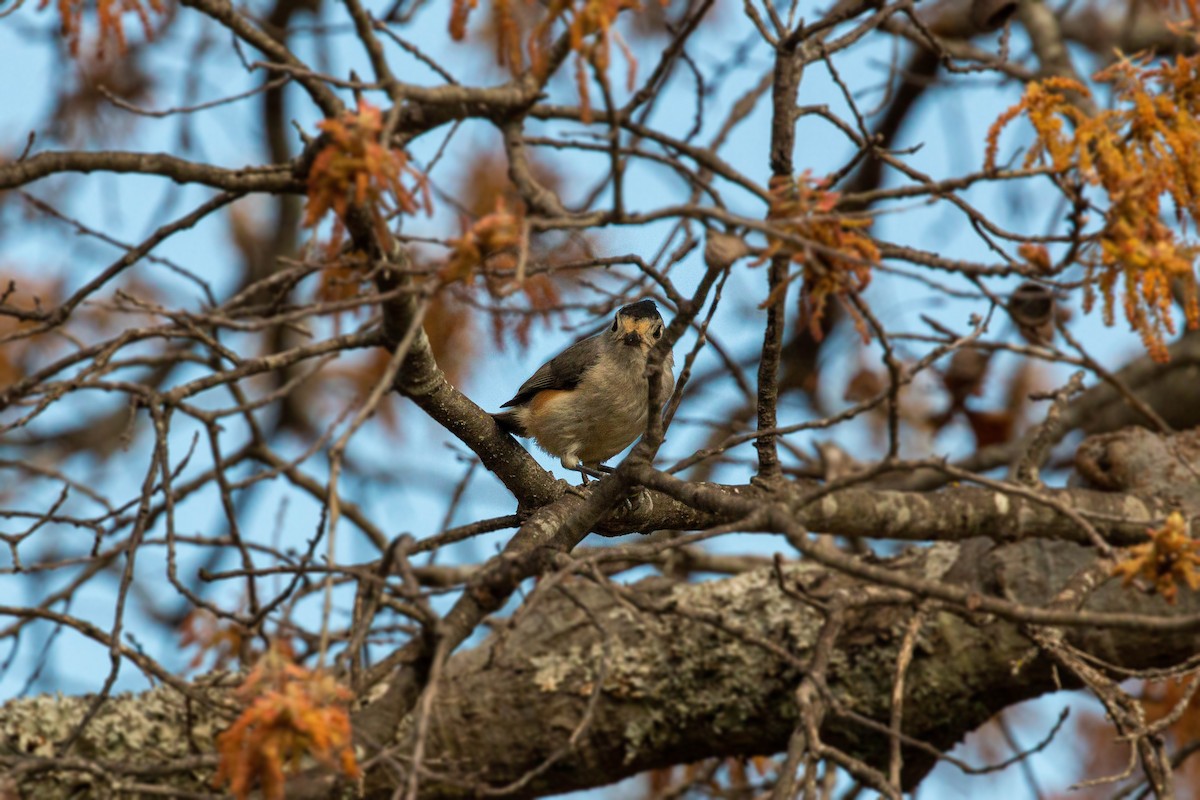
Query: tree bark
point(659, 674)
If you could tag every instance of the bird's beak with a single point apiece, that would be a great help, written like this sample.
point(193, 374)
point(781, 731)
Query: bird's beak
point(633, 338)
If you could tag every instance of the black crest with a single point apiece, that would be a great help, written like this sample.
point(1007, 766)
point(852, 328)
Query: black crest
point(643, 309)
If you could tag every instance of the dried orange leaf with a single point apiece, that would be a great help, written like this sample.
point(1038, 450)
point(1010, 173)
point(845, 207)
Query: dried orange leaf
point(834, 254)
point(1145, 155)
point(109, 14)
point(1170, 557)
point(356, 166)
point(290, 714)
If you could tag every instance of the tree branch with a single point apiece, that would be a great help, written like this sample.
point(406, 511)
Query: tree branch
point(687, 671)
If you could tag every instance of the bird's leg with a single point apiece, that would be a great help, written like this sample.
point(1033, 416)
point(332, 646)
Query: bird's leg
point(639, 498)
point(571, 461)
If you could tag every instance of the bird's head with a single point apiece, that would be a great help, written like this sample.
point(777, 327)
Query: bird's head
point(637, 325)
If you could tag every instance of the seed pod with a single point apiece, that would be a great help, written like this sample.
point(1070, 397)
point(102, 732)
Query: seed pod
point(722, 249)
point(1031, 307)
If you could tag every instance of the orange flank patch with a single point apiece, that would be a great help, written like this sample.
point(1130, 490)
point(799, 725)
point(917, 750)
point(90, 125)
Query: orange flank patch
point(540, 406)
point(544, 398)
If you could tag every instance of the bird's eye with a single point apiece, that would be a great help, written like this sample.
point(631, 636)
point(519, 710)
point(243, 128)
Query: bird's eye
point(614, 327)
point(658, 332)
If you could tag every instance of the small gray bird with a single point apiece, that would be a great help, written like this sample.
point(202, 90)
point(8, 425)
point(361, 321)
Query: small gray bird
point(589, 402)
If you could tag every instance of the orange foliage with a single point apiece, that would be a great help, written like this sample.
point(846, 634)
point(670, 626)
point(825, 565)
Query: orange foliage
point(459, 12)
point(356, 166)
point(487, 254)
point(542, 295)
point(483, 181)
point(450, 326)
point(964, 377)
point(489, 248)
point(990, 427)
point(1169, 557)
point(225, 640)
point(340, 282)
point(348, 382)
point(24, 353)
point(1101, 753)
point(494, 240)
point(291, 713)
point(109, 13)
point(1144, 149)
point(706, 775)
point(1162, 699)
point(1106, 754)
point(343, 278)
point(836, 258)
point(18, 355)
point(589, 25)
point(1037, 255)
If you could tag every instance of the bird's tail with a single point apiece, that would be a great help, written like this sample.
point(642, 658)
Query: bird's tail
point(510, 422)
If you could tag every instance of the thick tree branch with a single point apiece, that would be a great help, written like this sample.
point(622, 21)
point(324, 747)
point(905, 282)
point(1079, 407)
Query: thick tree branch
point(422, 381)
point(687, 671)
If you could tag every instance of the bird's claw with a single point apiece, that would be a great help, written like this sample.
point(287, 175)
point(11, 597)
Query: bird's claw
point(578, 491)
point(638, 500)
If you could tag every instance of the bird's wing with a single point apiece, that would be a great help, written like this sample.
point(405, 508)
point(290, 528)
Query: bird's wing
point(564, 371)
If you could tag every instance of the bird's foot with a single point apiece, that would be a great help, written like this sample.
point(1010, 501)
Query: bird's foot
point(570, 488)
point(639, 500)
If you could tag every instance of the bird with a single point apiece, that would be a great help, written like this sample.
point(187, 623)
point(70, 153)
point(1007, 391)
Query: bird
point(589, 402)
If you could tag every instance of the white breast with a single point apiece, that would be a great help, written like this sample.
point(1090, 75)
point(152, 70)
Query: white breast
point(604, 414)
